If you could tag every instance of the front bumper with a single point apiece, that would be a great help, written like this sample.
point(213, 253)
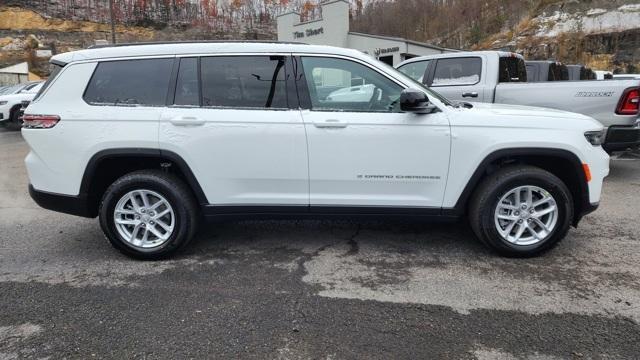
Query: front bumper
point(620, 138)
point(586, 209)
point(68, 204)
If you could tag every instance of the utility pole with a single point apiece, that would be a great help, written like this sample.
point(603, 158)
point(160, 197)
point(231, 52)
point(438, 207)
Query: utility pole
point(113, 22)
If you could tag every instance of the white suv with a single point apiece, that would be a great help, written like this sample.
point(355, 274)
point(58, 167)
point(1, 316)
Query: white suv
point(152, 138)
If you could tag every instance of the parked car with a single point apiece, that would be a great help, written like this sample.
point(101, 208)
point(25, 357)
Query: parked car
point(500, 77)
point(625, 76)
point(540, 71)
point(603, 75)
point(11, 102)
point(580, 72)
point(152, 138)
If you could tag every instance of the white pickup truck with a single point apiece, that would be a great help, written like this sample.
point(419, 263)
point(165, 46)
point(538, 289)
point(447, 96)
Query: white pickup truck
point(500, 77)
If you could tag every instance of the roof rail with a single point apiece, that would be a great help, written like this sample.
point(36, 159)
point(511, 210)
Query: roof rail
point(194, 42)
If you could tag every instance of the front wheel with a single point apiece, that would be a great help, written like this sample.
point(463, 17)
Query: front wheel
point(148, 214)
point(15, 120)
point(521, 211)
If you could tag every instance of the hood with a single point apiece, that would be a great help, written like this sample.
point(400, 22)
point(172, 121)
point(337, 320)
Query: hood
point(17, 97)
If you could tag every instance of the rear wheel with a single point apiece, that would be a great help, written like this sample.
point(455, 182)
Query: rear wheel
point(521, 211)
point(148, 214)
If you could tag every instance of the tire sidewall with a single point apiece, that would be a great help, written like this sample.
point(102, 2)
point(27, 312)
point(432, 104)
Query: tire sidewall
point(563, 201)
point(117, 191)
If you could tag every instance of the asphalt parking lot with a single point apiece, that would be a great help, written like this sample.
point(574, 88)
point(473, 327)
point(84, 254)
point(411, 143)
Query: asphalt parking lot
point(316, 289)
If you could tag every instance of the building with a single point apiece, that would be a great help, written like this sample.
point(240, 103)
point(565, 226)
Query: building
point(333, 29)
point(16, 74)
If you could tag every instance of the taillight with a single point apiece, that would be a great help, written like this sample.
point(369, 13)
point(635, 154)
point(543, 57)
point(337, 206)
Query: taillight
point(629, 102)
point(39, 121)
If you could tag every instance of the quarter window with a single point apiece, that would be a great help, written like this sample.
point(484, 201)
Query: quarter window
point(187, 87)
point(130, 82)
point(457, 71)
point(244, 81)
point(343, 85)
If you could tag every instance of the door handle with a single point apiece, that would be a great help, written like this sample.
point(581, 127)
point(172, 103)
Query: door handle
point(330, 123)
point(186, 121)
point(472, 94)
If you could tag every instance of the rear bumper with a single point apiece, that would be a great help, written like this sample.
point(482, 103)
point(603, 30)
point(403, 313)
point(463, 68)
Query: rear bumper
point(620, 138)
point(68, 204)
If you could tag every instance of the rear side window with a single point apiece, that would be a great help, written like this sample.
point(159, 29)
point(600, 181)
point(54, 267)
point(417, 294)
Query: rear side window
point(244, 81)
point(512, 69)
point(130, 82)
point(457, 71)
point(415, 70)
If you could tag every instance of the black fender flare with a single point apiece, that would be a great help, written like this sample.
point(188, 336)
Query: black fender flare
point(170, 156)
point(485, 164)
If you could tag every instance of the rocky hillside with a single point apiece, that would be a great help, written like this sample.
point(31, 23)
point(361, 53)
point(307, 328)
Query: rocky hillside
point(604, 34)
point(601, 34)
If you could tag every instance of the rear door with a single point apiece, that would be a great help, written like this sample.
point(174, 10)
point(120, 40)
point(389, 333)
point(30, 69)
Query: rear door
point(229, 118)
point(457, 78)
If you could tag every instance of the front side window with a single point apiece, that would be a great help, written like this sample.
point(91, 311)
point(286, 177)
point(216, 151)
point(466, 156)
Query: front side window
point(343, 85)
point(457, 71)
point(415, 70)
point(244, 81)
point(130, 82)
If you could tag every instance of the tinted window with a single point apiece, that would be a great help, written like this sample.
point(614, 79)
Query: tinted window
point(415, 70)
point(130, 82)
point(330, 87)
point(245, 82)
point(512, 69)
point(457, 71)
point(187, 87)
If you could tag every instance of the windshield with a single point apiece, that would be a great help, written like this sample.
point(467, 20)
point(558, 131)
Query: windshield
point(417, 84)
point(34, 89)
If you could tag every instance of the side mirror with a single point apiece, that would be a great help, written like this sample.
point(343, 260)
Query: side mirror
point(415, 101)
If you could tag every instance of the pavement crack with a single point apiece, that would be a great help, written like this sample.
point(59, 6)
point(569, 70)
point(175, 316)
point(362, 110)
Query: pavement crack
point(354, 247)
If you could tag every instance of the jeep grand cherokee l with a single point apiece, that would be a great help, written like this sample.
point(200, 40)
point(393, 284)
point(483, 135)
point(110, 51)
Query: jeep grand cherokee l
point(153, 138)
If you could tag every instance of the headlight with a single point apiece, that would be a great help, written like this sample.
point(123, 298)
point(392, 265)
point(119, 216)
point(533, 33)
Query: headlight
point(595, 138)
point(3, 102)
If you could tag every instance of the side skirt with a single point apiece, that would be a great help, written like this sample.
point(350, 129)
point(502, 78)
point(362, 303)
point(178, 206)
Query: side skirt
point(318, 212)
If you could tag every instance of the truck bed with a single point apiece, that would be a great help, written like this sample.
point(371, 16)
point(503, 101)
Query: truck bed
point(595, 98)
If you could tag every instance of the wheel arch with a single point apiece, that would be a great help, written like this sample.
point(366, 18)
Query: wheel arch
point(108, 165)
point(562, 163)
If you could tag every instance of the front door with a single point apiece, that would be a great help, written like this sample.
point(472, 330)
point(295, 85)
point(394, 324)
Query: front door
point(458, 79)
point(363, 151)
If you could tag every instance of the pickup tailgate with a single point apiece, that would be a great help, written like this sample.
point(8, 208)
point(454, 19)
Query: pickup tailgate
point(597, 99)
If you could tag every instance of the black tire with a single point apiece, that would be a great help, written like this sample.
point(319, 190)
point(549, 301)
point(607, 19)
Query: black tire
point(14, 123)
point(486, 197)
point(174, 190)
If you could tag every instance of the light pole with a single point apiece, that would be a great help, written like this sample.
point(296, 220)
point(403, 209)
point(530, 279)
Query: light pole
point(113, 22)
